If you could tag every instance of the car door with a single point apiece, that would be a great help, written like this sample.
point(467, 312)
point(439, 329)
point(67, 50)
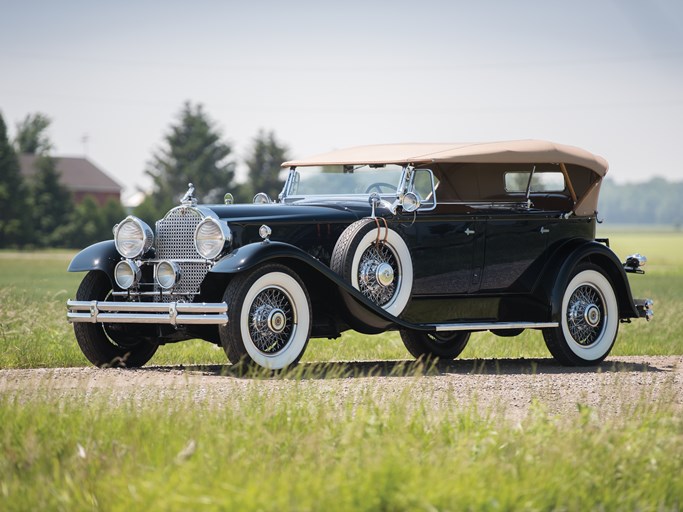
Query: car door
point(515, 251)
point(443, 250)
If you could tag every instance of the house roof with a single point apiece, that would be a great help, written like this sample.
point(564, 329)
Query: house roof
point(78, 174)
point(515, 151)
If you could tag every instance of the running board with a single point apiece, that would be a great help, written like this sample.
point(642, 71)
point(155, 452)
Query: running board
point(492, 326)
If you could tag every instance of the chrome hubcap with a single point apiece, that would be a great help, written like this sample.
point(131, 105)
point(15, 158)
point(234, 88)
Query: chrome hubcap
point(592, 315)
point(277, 320)
point(585, 315)
point(378, 274)
point(384, 274)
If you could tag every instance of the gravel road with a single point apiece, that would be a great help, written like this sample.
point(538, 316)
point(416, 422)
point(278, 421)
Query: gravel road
point(509, 386)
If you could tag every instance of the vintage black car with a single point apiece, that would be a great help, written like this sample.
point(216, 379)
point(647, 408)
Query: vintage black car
point(433, 240)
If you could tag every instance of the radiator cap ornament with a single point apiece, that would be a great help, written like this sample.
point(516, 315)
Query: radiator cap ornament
point(189, 199)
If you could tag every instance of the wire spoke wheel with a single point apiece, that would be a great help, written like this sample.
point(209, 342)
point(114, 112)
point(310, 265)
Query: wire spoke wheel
point(589, 319)
point(586, 314)
point(272, 320)
point(375, 259)
point(378, 273)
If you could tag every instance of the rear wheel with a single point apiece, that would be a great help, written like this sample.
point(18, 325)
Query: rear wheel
point(590, 319)
point(270, 314)
point(109, 344)
point(444, 345)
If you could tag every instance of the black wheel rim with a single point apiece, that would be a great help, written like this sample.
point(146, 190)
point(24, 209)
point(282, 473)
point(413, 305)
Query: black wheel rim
point(586, 315)
point(272, 320)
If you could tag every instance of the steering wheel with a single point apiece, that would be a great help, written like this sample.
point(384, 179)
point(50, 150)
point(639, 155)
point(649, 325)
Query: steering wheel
point(378, 187)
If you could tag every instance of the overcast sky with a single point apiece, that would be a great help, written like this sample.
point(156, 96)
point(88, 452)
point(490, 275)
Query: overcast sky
point(605, 75)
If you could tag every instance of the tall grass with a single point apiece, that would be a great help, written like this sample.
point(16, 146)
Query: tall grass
point(300, 449)
point(34, 332)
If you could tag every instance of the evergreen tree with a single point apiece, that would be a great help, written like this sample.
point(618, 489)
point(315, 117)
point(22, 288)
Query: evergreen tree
point(90, 223)
point(12, 193)
point(50, 204)
point(31, 137)
point(267, 155)
point(193, 152)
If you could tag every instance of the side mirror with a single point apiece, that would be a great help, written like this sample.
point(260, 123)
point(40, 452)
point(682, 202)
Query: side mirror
point(228, 198)
point(262, 198)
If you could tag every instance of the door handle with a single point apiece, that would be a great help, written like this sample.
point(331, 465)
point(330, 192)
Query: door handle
point(469, 232)
point(544, 230)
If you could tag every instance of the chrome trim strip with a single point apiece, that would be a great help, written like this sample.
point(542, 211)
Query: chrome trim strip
point(170, 313)
point(492, 326)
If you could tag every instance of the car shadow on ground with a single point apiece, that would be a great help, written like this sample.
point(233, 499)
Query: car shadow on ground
point(407, 368)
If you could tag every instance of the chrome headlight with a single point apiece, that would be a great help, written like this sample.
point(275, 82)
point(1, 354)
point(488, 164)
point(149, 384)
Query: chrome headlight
point(126, 274)
point(133, 237)
point(167, 274)
point(210, 237)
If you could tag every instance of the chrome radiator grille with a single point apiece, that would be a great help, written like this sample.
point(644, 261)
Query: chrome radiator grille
point(175, 241)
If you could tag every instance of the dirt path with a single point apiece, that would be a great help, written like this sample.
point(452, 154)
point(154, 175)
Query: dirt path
point(507, 385)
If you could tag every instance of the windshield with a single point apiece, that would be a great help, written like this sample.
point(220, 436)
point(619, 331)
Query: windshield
point(338, 180)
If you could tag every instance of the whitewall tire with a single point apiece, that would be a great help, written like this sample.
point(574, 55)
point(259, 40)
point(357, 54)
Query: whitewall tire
point(270, 318)
point(589, 319)
point(376, 261)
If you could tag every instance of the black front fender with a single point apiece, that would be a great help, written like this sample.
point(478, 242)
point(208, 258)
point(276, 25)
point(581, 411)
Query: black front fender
point(100, 256)
point(361, 313)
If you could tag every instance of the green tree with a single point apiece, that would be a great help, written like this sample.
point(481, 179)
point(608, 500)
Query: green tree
point(31, 135)
point(90, 223)
point(112, 213)
point(265, 173)
point(50, 204)
point(12, 194)
point(193, 152)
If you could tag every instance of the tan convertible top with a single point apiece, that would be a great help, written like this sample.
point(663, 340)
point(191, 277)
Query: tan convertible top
point(515, 151)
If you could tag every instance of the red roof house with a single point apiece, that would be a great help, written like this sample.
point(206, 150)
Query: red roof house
point(80, 176)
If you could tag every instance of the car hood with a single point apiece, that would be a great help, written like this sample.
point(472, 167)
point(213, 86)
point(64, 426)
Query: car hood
point(291, 213)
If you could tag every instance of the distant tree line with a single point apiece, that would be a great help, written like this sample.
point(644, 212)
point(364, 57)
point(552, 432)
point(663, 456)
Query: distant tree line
point(657, 201)
point(40, 212)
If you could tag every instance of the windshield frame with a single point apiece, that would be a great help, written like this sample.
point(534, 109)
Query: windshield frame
point(292, 181)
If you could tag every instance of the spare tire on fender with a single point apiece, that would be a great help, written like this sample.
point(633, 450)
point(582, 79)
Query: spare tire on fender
point(376, 261)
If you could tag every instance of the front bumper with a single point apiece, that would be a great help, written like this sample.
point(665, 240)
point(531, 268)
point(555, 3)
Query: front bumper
point(168, 313)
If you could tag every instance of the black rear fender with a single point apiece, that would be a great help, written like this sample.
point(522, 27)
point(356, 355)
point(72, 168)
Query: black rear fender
point(566, 258)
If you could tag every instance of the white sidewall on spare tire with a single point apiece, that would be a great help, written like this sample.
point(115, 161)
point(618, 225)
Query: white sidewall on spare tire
point(604, 342)
point(302, 320)
point(397, 245)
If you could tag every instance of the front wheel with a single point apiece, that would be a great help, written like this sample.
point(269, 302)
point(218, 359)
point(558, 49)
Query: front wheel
point(109, 344)
point(270, 318)
point(590, 319)
point(444, 345)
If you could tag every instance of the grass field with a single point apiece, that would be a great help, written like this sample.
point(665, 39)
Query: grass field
point(300, 448)
point(306, 450)
point(34, 288)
